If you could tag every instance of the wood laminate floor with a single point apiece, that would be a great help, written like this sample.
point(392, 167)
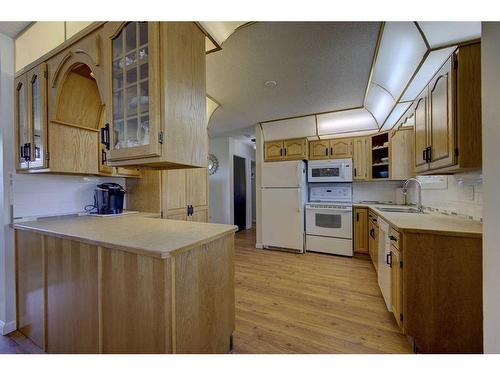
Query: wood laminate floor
point(291, 303)
point(309, 303)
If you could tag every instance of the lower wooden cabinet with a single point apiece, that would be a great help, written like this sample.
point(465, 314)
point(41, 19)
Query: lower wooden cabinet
point(360, 230)
point(397, 285)
point(373, 240)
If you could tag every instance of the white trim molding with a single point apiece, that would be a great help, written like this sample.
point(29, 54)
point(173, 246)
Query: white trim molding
point(6, 328)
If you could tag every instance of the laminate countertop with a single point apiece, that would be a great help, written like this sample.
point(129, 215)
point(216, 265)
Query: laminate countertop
point(428, 222)
point(142, 233)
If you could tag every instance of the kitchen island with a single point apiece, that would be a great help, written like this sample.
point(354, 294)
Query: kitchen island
point(126, 284)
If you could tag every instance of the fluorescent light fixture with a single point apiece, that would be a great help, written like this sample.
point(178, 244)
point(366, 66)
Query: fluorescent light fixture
point(400, 52)
point(345, 121)
point(379, 102)
point(434, 60)
point(395, 115)
point(443, 33)
point(349, 134)
point(220, 31)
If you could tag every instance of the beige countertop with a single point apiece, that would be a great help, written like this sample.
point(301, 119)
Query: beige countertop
point(429, 222)
point(139, 233)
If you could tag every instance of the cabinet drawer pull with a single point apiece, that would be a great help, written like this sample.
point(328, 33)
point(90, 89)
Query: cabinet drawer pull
point(103, 157)
point(388, 259)
point(393, 238)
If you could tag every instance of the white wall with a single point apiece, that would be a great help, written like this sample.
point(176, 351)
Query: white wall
point(7, 284)
point(490, 63)
point(221, 187)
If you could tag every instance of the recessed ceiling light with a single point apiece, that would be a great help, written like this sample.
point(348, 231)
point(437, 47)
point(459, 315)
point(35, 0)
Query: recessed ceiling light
point(270, 83)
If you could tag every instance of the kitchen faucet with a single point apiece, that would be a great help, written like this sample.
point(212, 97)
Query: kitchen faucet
point(419, 188)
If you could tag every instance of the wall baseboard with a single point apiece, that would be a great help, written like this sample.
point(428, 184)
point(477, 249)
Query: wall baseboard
point(259, 246)
point(6, 328)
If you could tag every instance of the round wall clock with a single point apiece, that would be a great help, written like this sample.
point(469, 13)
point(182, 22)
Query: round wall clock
point(213, 164)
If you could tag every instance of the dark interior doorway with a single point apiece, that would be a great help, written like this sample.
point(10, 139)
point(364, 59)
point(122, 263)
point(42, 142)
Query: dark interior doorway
point(240, 192)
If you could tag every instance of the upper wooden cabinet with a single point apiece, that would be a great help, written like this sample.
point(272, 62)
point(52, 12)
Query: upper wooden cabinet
point(360, 158)
point(448, 116)
point(31, 119)
point(59, 109)
point(330, 149)
point(289, 149)
point(155, 94)
point(401, 154)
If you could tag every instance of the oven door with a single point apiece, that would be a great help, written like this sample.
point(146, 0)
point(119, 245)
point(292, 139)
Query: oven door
point(329, 222)
point(333, 172)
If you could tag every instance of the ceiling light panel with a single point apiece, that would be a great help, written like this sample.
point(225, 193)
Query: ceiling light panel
point(345, 121)
point(400, 52)
point(432, 63)
point(444, 33)
point(379, 102)
point(395, 115)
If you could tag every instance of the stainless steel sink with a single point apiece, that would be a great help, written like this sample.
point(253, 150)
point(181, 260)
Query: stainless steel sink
point(409, 210)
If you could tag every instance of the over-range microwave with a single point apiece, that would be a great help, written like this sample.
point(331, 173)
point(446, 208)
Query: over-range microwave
point(335, 170)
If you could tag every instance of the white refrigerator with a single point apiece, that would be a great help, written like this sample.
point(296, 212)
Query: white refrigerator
point(284, 194)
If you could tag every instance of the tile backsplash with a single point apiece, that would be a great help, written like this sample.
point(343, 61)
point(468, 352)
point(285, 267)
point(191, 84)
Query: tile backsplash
point(382, 191)
point(463, 195)
point(44, 195)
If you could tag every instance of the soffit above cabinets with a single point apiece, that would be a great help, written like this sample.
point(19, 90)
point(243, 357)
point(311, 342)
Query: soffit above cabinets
point(300, 127)
point(452, 33)
point(218, 32)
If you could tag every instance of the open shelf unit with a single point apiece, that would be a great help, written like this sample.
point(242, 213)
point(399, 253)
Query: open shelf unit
point(380, 156)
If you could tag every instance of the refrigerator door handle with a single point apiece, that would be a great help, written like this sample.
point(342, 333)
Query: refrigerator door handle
point(299, 201)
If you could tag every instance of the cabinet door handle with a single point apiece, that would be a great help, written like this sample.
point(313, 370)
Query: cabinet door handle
point(105, 136)
point(424, 155)
point(326, 151)
point(27, 151)
point(372, 233)
point(429, 154)
point(331, 151)
point(388, 259)
point(355, 173)
point(357, 216)
point(285, 151)
point(22, 150)
point(281, 152)
point(392, 238)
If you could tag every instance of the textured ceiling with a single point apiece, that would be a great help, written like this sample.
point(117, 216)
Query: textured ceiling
point(318, 66)
point(12, 29)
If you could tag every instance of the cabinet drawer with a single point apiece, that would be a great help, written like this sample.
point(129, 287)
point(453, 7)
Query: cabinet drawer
point(395, 237)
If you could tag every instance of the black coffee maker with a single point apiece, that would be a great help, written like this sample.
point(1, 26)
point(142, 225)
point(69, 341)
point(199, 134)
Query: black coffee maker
point(109, 198)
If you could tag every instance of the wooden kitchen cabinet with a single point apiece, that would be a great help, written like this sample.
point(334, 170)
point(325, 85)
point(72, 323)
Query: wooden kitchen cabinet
point(448, 116)
point(31, 118)
point(185, 194)
point(288, 149)
point(330, 149)
point(397, 285)
point(360, 230)
point(340, 148)
point(295, 149)
point(401, 154)
point(273, 150)
point(373, 239)
point(155, 94)
point(360, 159)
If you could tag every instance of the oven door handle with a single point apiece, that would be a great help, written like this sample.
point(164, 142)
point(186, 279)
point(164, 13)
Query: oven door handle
point(330, 209)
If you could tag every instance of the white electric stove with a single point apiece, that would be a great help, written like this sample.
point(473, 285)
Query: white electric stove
point(329, 219)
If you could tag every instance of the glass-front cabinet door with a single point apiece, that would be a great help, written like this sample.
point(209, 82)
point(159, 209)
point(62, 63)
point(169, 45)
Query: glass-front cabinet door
point(133, 101)
point(31, 118)
point(21, 124)
point(37, 101)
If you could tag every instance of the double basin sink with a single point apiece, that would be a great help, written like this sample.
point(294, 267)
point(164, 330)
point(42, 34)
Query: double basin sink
point(402, 210)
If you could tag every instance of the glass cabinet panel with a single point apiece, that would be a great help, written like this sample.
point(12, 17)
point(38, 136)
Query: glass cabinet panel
point(37, 114)
point(130, 86)
point(22, 125)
